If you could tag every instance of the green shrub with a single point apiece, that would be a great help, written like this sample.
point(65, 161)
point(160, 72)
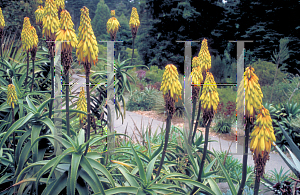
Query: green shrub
point(142, 100)
point(223, 126)
point(265, 71)
point(155, 74)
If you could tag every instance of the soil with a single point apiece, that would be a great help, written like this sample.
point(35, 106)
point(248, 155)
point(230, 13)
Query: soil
point(178, 121)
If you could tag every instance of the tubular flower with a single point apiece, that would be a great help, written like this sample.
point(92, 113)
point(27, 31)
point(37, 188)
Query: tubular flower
point(26, 36)
point(204, 57)
point(39, 14)
point(66, 33)
point(209, 97)
point(112, 26)
point(12, 97)
point(2, 21)
point(261, 140)
point(82, 105)
point(171, 87)
point(134, 22)
point(34, 42)
point(50, 20)
point(112, 13)
point(253, 93)
point(87, 48)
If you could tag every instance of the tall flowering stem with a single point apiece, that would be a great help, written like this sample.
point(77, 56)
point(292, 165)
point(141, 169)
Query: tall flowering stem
point(26, 39)
point(134, 24)
point(261, 139)
point(12, 99)
point(87, 53)
point(66, 34)
point(204, 60)
point(171, 89)
point(253, 102)
point(50, 27)
point(33, 50)
point(2, 25)
point(112, 26)
point(210, 99)
point(197, 79)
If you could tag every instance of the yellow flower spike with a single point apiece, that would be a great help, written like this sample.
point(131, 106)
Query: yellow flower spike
point(39, 14)
point(35, 38)
point(253, 94)
point(50, 20)
point(134, 21)
point(2, 21)
point(82, 105)
point(26, 36)
point(87, 48)
point(204, 56)
point(209, 97)
point(12, 97)
point(197, 77)
point(112, 26)
point(171, 87)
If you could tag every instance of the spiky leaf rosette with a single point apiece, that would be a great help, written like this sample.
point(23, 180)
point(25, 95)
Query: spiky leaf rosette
point(112, 27)
point(26, 36)
point(171, 87)
point(2, 21)
point(82, 105)
point(204, 57)
point(253, 94)
point(261, 140)
point(66, 34)
point(209, 97)
point(39, 15)
point(134, 22)
point(34, 42)
point(197, 79)
point(50, 24)
point(12, 97)
point(87, 48)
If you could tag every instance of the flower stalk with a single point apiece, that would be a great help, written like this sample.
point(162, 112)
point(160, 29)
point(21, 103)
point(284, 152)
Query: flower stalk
point(171, 89)
point(12, 99)
point(87, 53)
point(262, 138)
point(134, 24)
point(33, 50)
point(253, 102)
point(204, 62)
point(210, 99)
point(26, 39)
point(66, 34)
point(50, 27)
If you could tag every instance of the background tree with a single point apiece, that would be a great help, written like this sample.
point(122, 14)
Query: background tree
point(99, 21)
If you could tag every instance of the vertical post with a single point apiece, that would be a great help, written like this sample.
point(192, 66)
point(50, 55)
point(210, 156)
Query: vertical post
point(187, 89)
point(57, 105)
point(110, 96)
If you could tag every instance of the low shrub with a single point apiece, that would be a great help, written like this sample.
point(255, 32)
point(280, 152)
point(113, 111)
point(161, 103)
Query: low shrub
point(142, 100)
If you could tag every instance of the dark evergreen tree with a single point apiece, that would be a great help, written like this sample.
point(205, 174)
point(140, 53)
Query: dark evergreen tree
point(99, 21)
